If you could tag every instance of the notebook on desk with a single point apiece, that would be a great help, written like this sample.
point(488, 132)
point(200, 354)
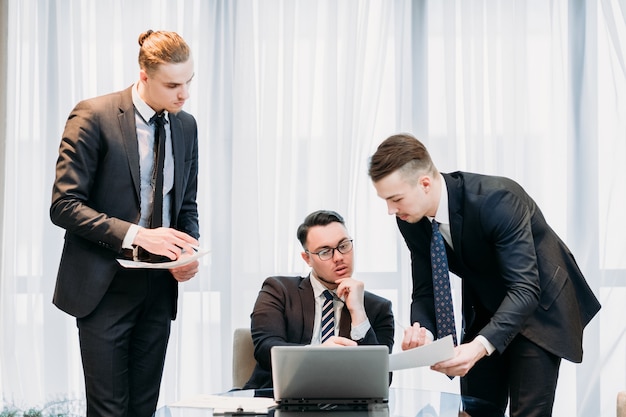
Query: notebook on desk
point(313, 375)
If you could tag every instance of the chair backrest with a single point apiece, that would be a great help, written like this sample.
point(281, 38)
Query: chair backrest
point(243, 356)
point(621, 404)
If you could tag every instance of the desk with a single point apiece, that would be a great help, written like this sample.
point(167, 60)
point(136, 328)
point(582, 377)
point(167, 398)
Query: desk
point(402, 403)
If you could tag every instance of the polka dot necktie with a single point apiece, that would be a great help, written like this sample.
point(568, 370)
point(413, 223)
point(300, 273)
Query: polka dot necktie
point(444, 312)
point(328, 317)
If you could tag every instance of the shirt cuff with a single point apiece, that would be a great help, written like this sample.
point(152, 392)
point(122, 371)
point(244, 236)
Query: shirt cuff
point(127, 243)
point(488, 346)
point(359, 331)
point(429, 335)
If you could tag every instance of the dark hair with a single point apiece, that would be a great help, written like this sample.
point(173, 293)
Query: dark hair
point(400, 152)
point(317, 218)
point(161, 47)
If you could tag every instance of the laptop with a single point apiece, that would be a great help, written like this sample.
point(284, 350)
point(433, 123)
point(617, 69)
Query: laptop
point(370, 410)
point(341, 375)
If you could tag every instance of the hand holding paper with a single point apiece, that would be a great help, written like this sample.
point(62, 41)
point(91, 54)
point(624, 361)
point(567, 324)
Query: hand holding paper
point(164, 265)
point(164, 241)
point(426, 355)
point(465, 357)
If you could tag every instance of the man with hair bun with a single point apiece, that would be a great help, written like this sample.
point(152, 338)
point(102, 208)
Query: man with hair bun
point(113, 203)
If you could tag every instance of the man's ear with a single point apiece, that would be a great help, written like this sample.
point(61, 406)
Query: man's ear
point(425, 182)
point(143, 75)
point(306, 257)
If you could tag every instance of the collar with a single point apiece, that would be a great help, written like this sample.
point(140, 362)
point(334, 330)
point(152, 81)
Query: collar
point(443, 214)
point(318, 287)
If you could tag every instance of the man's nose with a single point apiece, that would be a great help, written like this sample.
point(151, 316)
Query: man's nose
point(391, 208)
point(184, 92)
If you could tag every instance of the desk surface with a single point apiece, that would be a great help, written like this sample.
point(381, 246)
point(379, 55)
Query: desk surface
point(402, 403)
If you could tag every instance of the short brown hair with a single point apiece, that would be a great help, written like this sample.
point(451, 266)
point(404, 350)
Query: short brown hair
point(317, 218)
point(161, 47)
point(400, 152)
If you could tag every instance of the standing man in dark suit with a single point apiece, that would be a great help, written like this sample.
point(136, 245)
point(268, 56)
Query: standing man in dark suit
point(288, 310)
point(103, 197)
point(525, 301)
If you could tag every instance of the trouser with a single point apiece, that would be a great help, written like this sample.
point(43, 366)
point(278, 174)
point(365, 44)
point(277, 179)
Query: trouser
point(525, 373)
point(123, 344)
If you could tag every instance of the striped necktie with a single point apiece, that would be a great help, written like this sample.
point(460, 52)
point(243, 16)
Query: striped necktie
point(328, 317)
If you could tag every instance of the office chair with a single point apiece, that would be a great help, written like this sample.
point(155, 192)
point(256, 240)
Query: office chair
point(243, 357)
point(621, 404)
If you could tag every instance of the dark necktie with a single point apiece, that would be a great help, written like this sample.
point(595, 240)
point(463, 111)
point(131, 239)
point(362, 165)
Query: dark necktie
point(444, 312)
point(156, 218)
point(328, 317)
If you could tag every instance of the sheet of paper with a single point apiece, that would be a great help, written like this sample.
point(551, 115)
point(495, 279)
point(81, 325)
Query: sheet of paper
point(427, 355)
point(226, 404)
point(163, 265)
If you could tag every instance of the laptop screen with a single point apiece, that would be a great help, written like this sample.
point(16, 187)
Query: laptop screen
point(330, 375)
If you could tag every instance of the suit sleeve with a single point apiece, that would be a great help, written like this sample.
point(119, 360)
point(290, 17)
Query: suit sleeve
point(417, 238)
point(78, 172)
point(380, 316)
point(505, 219)
point(269, 319)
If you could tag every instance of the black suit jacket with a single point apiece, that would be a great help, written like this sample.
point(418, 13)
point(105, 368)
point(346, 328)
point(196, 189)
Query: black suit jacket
point(518, 276)
point(96, 197)
point(284, 315)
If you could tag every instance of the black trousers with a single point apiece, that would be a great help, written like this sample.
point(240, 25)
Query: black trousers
point(123, 344)
point(524, 372)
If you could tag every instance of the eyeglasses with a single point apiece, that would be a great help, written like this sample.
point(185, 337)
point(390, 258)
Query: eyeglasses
point(328, 253)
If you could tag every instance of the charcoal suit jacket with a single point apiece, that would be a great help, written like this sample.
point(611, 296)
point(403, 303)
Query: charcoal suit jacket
point(518, 276)
point(284, 315)
point(96, 194)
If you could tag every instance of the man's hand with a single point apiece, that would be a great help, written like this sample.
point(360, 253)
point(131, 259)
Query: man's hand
point(415, 336)
point(165, 241)
point(185, 272)
point(339, 341)
point(465, 357)
point(351, 292)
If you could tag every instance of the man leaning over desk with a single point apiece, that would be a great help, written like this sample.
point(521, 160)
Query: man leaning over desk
point(288, 310)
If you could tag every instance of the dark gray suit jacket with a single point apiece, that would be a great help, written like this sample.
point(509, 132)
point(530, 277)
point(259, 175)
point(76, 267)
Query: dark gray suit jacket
point(95, 196)
point(284, 314)
point(518, 276)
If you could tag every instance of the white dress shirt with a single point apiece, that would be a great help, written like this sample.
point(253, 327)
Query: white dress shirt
point(145, 141)
point(356, 332)
point(443, 218)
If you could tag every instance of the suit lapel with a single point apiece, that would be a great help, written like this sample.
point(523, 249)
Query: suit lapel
point(308, 309)
point(178, 149)
point(344, 323)
point(455, 196)
point(128, 129)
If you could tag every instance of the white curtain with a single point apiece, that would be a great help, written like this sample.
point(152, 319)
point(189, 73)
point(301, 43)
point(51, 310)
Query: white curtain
point(291, 98)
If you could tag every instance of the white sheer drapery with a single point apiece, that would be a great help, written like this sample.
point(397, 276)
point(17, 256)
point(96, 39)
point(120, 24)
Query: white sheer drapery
point(291, 99)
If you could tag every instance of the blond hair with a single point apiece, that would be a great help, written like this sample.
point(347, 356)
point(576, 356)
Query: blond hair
point(161, 47)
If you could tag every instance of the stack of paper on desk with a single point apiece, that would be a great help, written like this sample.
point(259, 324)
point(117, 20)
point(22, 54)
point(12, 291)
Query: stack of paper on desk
point(222, 404)
point(427, 355)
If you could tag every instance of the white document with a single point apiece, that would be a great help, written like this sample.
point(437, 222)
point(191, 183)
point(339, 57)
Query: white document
point(126, 263)
point(228, 404)
point(427, 355)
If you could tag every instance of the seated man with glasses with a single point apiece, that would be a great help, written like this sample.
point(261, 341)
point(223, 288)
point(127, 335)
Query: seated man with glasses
point(295, 310)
